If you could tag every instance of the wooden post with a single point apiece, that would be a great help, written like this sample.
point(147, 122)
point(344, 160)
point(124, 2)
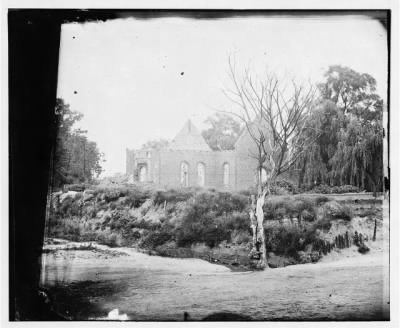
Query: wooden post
point(374, 237)
point(356, 238)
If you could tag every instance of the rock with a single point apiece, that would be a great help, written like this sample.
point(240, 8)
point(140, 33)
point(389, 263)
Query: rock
point(363, 249)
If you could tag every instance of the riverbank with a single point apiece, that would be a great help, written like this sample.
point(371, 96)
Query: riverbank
point(213, 225)
point(88, 284)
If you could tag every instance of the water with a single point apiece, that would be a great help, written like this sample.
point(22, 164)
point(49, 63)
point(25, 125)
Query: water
point(89, 284)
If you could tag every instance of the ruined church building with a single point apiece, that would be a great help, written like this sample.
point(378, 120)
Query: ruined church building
point(189, 161)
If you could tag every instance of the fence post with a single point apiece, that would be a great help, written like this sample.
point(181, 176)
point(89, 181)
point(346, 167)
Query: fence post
point(374, 237)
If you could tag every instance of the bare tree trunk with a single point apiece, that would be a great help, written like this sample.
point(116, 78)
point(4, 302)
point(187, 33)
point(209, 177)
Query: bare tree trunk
point(253, 220)
point(262, 263)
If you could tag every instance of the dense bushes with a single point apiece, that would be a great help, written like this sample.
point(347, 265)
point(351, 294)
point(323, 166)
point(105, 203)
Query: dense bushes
point(173, 195)
point(133, 216)
point(299, 207)
point(286, 187)
point(283, 240)
point(211, 217)
point(333, 210)
point(291, 240)
point(325, 189)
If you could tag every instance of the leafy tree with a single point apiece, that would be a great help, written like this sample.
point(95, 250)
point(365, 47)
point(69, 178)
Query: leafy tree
point(350, 91)
point(77, 159)
point(324, 124)
point(358, 160)
point(156, 144)
point(348, 126)
point(222, 133)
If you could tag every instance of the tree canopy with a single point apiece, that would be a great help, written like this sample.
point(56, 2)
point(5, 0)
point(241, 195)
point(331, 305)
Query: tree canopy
point(348, 128)
point(77, 159)
point(223, 131)
point(350, 91)
point(157, 144)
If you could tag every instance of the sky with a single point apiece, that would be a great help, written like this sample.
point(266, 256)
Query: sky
point(136, 80)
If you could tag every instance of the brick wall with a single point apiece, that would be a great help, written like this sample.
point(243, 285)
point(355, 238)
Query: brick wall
point(164, 167)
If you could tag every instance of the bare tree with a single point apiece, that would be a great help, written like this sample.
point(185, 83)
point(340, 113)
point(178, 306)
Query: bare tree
point(275, 115)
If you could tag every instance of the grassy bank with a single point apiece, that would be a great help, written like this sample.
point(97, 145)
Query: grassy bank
point(208, 224)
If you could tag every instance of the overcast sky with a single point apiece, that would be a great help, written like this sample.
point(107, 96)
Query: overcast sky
point(136, 80)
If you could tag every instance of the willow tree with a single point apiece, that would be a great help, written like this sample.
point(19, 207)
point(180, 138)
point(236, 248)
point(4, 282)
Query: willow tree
point(325, 124)
point(275, 114)
point(358, 160)
point(349, 122)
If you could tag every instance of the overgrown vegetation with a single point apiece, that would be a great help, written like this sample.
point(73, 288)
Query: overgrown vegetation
point(183, 218)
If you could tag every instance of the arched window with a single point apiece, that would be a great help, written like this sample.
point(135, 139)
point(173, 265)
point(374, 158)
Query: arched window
point(185, 174)
point(226, 174)
point(143, 173)
point(201, 174)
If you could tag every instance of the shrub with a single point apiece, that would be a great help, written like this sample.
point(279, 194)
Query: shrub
point(156, 238)
point(239, 237)
point(74, 187)
point(284, 240)
point(322, 189)
point(321, 200)
point(238, 221)
point(72, 227)
point(335, 210)
point(200, 228)
point(325, 189)
point(307, 215)
point(172, 195)
point(348, 188)
point(283, 187)
point(142, 224)
point(136, 196)
point(70, 207)
point(109, 238)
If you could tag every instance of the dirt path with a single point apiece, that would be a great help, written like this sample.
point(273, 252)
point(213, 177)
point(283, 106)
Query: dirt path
point(89, 284)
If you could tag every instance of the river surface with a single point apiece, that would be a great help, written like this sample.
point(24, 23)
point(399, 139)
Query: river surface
point(88, 284)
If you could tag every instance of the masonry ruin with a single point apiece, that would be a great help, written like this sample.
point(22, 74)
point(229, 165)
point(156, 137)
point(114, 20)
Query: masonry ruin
point(188, 161)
